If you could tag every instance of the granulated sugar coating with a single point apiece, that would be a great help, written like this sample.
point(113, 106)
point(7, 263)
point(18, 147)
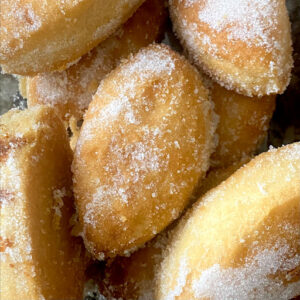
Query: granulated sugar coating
point(71, 91)
point(242, 239)
point(41, 36)
point(144, 144)
point(245, 45)
point(36, 204)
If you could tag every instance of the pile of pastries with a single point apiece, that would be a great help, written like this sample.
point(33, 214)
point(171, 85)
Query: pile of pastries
point(134, 166)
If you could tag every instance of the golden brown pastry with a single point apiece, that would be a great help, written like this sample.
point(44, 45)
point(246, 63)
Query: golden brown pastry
point(144, 145)
point(242, 239)
point(45, 36)
point(244, 45)
point(134, 277)
point(39, 257)
point(216, 175)
point(243, 124)
point(71, 91)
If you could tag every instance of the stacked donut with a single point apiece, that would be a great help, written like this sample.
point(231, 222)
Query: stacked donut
point(135, 155)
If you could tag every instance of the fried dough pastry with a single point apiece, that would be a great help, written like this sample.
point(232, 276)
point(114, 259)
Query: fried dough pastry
point(245, 45)
point(38, 37)
point(216, 175)
point(243, 124)
point(242, 239)
point(39, 257)
point(144, 145)
point(71, 91)
point(134, 277)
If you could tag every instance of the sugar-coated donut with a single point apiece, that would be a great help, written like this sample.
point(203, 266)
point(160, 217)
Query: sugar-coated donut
point(242, 239)
point(143, 146)
point(243, 44)
point(243, 124)
point(45, 36)
point(39, 257)
point(134, 277)
point(71, 91)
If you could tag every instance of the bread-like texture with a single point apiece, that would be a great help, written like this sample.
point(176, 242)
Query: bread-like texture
point(71, 91)
point(243, 124)
point(39, 257)
point(144, 145)
point(245, 45)
point(241, 240)
point(41, 36)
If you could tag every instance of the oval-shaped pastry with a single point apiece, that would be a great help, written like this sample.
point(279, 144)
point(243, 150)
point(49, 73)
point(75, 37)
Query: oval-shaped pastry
point(242, 239)
point(39, 257)
point(71, 91)
point(38, 37)
point(243, 124)
point(244, 45)
point(144, 145)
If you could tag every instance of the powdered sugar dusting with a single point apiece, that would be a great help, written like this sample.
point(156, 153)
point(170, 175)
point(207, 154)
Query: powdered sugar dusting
point(255, 280)
point(12, 220)
point(71, 91)
point(26, 49)
point(180, 280)
point(247, 20)
point(145, 157)
point(244, 45)
point(256, 257)
point(145, 67)
point(19, 13)
point(142, 122)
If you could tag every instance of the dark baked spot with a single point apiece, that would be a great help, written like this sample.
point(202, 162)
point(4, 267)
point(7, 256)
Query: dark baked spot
point(5, 243)
point(293, 274)
point(28, 18)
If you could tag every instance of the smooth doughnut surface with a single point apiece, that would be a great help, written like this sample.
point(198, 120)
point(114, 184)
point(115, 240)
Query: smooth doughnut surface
point(144, 145)
point(245, 45)
point(71, 91)
point(242, 239)
point(243, 124)
point(39, 257)
point(41, 36)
